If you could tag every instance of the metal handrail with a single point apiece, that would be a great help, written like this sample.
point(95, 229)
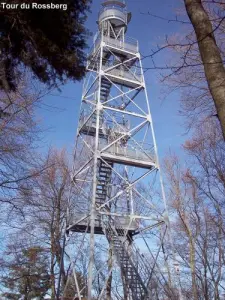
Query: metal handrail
point(120, 66)
point(113, 13)
point(129, 75)
point(111, 6)
point(127, 39)
point(108, 124)
point(133, 252)
point(129, 151)
point(129, 44)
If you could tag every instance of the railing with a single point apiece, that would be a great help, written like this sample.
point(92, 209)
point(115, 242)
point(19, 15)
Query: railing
point(110, 12)
point(119, 4)
point(128, 44)
point(96, 44)
point(83, 220)
point(124, 223)
point(118, 125)
point(135, 256)
point(129, 151)
point(140, 263)
point(108, 126)
point(124, 74)
point(141, 266)
point(122, 66)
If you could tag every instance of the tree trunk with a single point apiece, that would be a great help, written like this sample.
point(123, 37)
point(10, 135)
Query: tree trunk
point(109, 281)
point(192, 265)
point(52, 264)
point(58, 236)
point(210, 55)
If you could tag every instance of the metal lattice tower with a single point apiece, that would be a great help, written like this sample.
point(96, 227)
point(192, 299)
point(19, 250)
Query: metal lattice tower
point(115, 171)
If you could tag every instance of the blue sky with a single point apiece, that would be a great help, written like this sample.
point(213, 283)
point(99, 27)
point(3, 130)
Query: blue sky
point(62, 122)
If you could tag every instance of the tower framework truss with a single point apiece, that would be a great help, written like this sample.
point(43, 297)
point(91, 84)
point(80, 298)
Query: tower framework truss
point(117, 215)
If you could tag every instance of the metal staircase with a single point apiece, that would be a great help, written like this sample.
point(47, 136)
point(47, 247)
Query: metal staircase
point(133, 265)
point(104, 178)
point(105, 89)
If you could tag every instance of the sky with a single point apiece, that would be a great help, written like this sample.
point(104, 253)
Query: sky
point(60, 116)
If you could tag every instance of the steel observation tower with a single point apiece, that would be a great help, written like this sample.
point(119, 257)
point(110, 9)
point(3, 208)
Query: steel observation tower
point(116, 215)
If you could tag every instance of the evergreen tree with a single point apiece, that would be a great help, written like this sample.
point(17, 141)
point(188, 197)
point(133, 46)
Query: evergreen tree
point(27, 274)
point(49, 42)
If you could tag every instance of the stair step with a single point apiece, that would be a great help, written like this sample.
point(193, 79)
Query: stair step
point(102, 195)
point(105, 174)
point(132, 277)
point(102, 186)
point(105, 167)
point(101, 190)
point(101, 182)
point(108, 162)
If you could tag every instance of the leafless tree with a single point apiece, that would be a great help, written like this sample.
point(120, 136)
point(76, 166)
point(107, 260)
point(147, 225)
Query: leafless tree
point(44, 203)
point(210, 53)
point(196, 194)
point(196, 64)
point(19, 133)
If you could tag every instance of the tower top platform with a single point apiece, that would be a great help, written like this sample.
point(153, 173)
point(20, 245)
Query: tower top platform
point(115, 13)
point(119, 3)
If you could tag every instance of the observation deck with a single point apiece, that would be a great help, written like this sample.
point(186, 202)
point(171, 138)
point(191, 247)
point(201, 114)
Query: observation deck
point(81, 224)
point(127, 46)
point(105, 129)
point(125, 151)
point(128, 78)
point(132, 155)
